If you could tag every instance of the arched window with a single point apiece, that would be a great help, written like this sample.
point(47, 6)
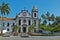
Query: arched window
point(8, 29)
point(13, 24)
point(29, 22)
point(19, 22)
point(7, 24)
point(34, 14)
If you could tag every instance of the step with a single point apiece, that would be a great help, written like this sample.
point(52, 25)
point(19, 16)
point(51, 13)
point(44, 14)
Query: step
point(24, 35)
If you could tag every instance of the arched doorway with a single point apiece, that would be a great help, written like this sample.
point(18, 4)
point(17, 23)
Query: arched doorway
point(24, 28)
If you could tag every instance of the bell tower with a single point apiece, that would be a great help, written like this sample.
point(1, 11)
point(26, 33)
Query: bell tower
point(34, 12)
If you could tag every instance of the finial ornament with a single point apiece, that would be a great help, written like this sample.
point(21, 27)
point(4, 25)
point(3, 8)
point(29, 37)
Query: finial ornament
point(35, 9)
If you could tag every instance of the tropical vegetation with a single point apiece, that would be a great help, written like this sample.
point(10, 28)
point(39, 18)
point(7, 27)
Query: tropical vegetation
point(5, 10)
point(32, 27)
point(16, 29)
point(49, 22)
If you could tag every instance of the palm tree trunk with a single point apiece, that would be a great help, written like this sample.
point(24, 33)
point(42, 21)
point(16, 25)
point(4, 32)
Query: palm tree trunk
point(2, 26)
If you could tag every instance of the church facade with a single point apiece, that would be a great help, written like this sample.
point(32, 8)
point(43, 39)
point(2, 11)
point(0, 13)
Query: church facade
point(24, 19)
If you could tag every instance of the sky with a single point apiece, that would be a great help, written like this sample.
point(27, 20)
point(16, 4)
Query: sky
point(53, 6)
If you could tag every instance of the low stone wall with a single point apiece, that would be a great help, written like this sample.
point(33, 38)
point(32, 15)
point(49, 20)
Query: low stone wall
point(41, 34)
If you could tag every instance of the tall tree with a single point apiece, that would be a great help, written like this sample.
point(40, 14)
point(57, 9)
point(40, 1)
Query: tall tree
point(44, 19)
point(52, 17)
point(53, 20)
point(48, 17)
point(48, 14)
point(39, 24)
point(58, 19)
point(32, 27)
point(4, 9)
point(43, 16)
point(16, 28)
point(44, 22)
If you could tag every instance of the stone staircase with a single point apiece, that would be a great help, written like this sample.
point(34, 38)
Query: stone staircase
point(24, 35)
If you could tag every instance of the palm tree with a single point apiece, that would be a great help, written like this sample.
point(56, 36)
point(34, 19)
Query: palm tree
point(39, 24)
point(53, 20)
point(52, 17)
point(4, 9)
point(48, 14)
point(48, 17)
point(16, 28)
point(58, 19)
point(44, 22)
point(32, 27)
point(43, 16)
point(56, 28)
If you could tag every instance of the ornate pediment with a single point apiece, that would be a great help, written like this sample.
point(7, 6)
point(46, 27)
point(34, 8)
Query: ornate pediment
point(24, 13)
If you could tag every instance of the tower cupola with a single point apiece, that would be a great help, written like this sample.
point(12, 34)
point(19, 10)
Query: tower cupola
point(34, 9)
point(35, 12)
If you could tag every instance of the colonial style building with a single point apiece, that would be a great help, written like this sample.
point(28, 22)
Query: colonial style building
point(24, 19)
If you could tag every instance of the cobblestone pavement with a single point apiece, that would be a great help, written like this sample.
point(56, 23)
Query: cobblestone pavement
point(31, 38)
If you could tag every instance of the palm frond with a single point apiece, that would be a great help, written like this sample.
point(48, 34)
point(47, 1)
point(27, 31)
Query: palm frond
point(5, 8)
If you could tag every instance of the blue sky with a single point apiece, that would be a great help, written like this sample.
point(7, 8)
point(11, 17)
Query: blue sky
point(53, 6)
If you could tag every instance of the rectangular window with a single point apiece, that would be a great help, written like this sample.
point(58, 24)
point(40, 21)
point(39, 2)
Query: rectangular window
point(7, 24)
point(35, 15)
point(29, 22)
point(8, 29)
point(13, 24)
point(19, 22)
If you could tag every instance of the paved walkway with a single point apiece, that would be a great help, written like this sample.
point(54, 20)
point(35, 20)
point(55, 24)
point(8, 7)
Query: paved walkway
point(31, 38)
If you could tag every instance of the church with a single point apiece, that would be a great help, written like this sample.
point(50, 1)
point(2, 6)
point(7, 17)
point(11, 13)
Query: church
point(24, 19)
